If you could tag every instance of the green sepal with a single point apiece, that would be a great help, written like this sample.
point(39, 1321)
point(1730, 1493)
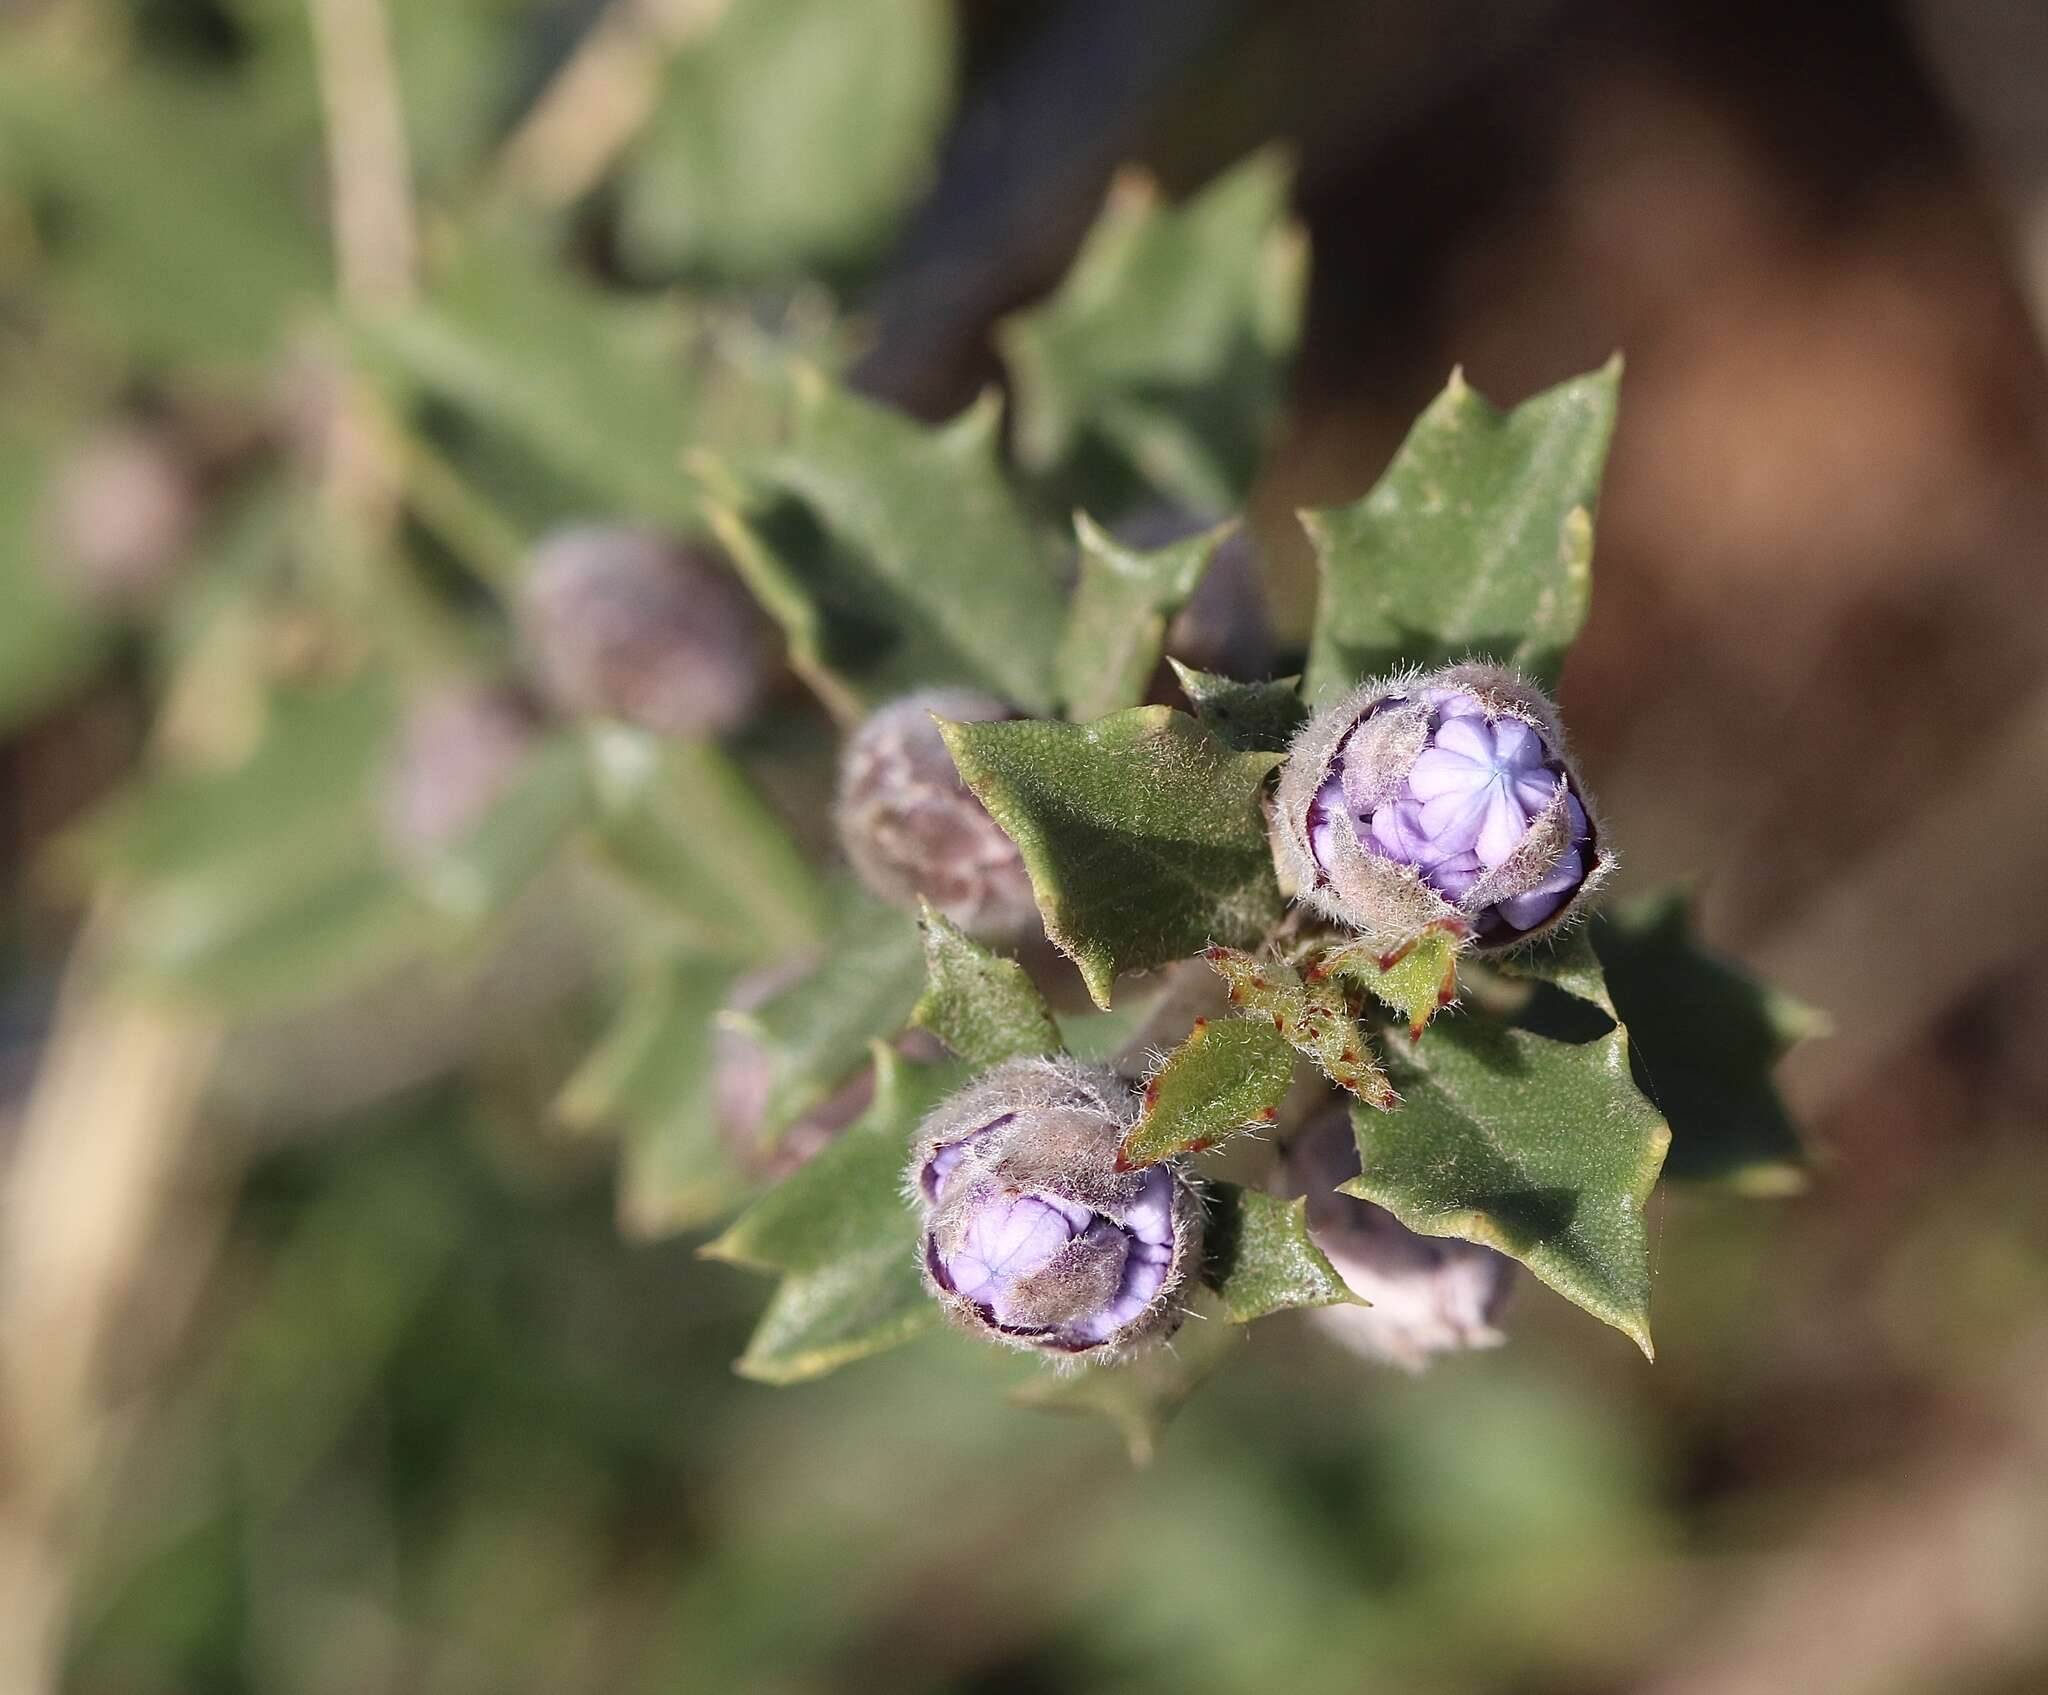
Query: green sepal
point(1311, 1015)
point(1418, 980)
point(1230, 1075)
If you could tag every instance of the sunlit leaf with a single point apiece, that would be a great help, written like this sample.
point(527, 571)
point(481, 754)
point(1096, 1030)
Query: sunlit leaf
point(982, 1006)
point(1230, 1075)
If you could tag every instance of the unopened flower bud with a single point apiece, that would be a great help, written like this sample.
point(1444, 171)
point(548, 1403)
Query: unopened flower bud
point(1032, 1236)
point(912, 828)
point(1445, 797)
point(627, 623)
point(457, 752)
point(122, 510)
point(1429, 1294)
point(1225, 627)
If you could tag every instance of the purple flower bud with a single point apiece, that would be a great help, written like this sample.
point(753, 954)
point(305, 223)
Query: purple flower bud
point(457, 752)
point(912, 828)
point(1446, 797)
point(122, 509)
point(1429, 1294)
point(627, 623)
point(1032, 1236)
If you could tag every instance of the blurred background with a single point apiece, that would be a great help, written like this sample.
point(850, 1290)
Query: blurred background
point(328, 1365)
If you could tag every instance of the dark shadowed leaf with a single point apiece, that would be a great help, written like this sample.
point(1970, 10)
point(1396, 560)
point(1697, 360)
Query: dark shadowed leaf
point(1116, 623)
point(1259, 1259)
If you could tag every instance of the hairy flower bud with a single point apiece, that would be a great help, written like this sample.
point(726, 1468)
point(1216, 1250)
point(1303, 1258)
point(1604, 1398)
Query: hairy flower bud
point(912, 828)
point(627, 623)
point(122, 509)
point(1445, 796)
point(1429, 1294)
point(457, 752)
point(1032, 1236)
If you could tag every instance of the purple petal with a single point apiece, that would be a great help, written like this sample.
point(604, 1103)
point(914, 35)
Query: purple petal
point(1514, 743)
point(1443, 771)
point(1473, 737)
point(1452, 822)
point(1010, 1238)
point(1502, 827)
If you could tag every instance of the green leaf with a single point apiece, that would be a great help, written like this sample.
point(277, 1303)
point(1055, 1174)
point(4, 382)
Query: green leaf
point(1251, 717)
point(1142, 834)
point(815, 1033)
point(1417, 980)
point(909, 562)
point(1116, 623)
point(474, 878)
point(1139, 1396)
point(982, 1006)
point(1259, 1259)
point(650, 1078)
point(790, 134)
point(1312, 1016)
point(1478, 540)
point(683, 825)
point(1228, 1076)
point(1545, 1150)
point(840, 1231)
point(47, 644)
point(1156, 368)
point(1707, 1037)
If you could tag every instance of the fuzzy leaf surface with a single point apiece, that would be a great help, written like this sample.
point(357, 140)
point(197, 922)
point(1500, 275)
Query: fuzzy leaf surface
point(1142, 833)
point(900, 558)
point(846, 1244)
point(1259, 1258)
point(1116, 622)
point(984, 1007)
point(1156, 367)
point(1545, 1150)
point(1251, 717)
point(1417, 982)
point(1311, 1016)
point(1478, 540)
point(1229, 1075)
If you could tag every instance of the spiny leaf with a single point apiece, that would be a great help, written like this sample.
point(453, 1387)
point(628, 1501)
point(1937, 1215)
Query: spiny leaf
point(1116, 623)
point(1313, 1017)
point(1545, 1150)
point(1157, 364)
point(1251, 717)
point(1707, 1037)
point(1229, 1075)
point(1142, 833)
point(1478, 540)
point(909, 561)
point(815, 1033)
point(982, 1006)
point(839, 1231)
point(1418, 981)
point(1259, 1258)
point(1141, 1395)
point(650, 1079)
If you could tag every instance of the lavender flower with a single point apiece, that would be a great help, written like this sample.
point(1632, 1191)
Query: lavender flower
point(912, 828)
point(628, 623)
point(1442, 797)
point(1032, 1236)
point(1428, 1295)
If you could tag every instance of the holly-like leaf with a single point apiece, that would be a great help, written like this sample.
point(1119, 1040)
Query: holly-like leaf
point(815, 1033)
point(839, 1232)
point(1312, 1016)
point(1156, 367)
point(1259, 1259)
point(1707, 1037)
point(1116, 623)
point(982, 1006)
point(900, 559)
point(1142, 833)
point(1477, 541)
point(1418, 981)
point(650, 1079)
point(684, 827)
point(1141, 1395)
point(1251, 717)
point(1545, 1150)
point(1229, 1075)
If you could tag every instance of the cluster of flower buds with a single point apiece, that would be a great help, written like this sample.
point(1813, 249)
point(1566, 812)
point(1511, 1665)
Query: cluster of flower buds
point(1429, 1294)
point(122, 510)
point(1032, 1234)
point(628, 623)
point(457, 751)
point(1445, 797)
point(910, 827)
